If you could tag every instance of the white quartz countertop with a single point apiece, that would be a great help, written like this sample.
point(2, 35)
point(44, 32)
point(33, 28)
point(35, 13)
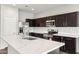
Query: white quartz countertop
point(38, 46)
point(67, 35)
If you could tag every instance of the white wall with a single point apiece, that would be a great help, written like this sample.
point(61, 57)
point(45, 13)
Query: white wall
point(9, 22)
point(25, 15)
point(9, 18)
point(58, 10)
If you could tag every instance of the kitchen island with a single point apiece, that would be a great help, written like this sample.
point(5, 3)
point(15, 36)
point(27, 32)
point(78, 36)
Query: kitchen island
point(17, 45)
point(71, 40)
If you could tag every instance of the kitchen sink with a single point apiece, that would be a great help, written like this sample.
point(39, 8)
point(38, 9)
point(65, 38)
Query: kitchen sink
point(30, 38)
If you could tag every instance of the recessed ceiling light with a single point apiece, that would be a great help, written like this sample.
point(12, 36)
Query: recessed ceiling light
point(29, 7)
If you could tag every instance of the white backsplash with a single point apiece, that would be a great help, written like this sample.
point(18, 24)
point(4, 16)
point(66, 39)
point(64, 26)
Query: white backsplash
point(70, 30)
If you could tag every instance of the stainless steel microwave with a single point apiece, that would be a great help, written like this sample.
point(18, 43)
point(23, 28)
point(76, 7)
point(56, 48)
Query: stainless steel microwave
point(50, 23)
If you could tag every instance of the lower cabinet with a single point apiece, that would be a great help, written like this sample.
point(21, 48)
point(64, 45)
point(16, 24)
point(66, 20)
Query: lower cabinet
point(56, 38)
point(70, 44)
point(32, 34)
point(36, 35)
point(63, 48)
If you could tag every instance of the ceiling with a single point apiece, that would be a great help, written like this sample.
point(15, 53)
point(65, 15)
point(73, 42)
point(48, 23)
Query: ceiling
point(35, 8)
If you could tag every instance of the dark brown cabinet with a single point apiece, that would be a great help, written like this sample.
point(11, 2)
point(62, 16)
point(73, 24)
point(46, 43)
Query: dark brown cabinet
point(36, 34)
point(63, 47)
point(60, 39)
point(70, 44)
point(72, 19)
point(67, 20)
point(41, 22)
point(56, 38)
point(62, 20)
point(32, 22)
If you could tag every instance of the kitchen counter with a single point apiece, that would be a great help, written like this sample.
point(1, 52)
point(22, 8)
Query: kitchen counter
point(61, 34)
point(37, 46)
point(67, 35)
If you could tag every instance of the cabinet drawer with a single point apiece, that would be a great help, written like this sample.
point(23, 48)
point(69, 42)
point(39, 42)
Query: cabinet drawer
point(56, 38)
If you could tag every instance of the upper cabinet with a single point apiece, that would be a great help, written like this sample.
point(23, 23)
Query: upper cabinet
point(72, 19)
point(41, 22)
point(32, 22)
point(62, 20)
point(67, 20)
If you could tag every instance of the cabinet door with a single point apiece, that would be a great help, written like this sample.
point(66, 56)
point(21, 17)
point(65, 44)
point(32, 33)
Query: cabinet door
point(70, 45)
point(32, 34)
point(72, 19)
point(38, 22)
point(42, 22)
point(32, 22)
point(60, 21)
point(63, 47)
point(56, 38)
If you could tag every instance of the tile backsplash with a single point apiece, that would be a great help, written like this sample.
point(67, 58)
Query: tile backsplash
point(71, 30)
